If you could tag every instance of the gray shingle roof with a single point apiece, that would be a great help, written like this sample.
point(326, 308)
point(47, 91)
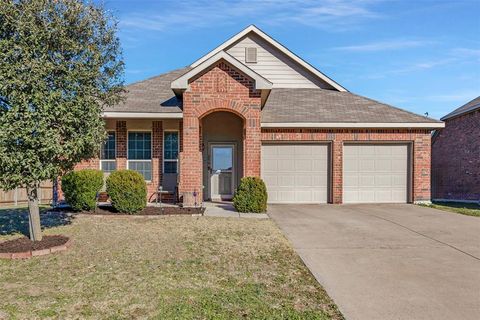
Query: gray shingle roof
point(155, 95)
point(320, 105)
point(467, 107)
point(152, 95)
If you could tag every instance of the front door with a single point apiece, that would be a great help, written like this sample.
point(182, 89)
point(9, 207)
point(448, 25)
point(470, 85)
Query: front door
point(222, 171)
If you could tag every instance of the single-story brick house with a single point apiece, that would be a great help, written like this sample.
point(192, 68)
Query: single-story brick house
point(456, 155)
point(251, 107)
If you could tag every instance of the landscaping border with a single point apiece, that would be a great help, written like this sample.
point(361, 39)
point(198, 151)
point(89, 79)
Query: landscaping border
point(36, 253)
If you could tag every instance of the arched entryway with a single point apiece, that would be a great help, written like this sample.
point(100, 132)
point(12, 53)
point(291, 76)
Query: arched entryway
point(222, 154)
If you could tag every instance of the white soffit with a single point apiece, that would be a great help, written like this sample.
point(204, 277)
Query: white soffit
point(182, 82)
point(275, 44)
point(143, 115)
point(423, 125)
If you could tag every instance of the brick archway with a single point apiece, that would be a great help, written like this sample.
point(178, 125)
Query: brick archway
point(219, 88)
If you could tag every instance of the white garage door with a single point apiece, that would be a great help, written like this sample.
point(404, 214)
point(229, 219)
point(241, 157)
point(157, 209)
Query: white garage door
point(375, 173)
point(295, 173)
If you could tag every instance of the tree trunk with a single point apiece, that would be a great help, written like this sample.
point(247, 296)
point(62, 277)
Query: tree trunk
point(34, 215)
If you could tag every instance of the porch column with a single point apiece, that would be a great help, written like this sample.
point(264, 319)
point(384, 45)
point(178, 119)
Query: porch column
point(191, 162)
point(157, 154)
point(252, 144)
point(121, 133)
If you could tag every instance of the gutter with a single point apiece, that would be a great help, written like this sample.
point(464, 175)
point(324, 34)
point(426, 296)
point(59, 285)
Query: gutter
point(333, 125)
point(143, 115)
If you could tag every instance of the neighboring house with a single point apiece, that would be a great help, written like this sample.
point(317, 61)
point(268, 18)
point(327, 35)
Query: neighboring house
point(251, 107)
point(456, 155)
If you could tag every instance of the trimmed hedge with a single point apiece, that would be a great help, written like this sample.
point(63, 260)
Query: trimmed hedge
point(127, 190)
point(81, 188)
point(251, 195)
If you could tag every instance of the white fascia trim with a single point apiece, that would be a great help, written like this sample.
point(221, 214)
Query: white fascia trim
point(143, 115)
point(275, 44)
point(182, 82)
point(426, 125)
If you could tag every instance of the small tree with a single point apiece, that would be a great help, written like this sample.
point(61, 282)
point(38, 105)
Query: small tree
point(60, 63)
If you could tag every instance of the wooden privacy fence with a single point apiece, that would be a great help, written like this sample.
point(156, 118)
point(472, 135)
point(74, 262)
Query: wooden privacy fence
point(19, 196)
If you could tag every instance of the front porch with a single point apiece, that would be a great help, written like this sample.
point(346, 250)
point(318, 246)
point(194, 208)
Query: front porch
point(150, 146)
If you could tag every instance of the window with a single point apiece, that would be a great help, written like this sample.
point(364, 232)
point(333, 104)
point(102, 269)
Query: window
point(140, 153)
point(170, 152)
point(107, 154)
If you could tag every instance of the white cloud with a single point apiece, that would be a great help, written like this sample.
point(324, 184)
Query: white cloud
point(385, 45)
point(328, 14)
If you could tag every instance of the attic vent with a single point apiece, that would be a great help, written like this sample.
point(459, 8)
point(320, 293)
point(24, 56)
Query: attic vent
point(251, 55)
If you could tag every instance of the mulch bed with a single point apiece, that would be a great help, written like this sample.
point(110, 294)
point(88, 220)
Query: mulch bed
point(24, 244)
point(148, 211)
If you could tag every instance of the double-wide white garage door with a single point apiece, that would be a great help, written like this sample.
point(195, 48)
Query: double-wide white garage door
point(295, 173)
point(372, 173)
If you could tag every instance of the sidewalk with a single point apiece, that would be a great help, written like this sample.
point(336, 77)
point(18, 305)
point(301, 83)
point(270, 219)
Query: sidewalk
point(225, 209)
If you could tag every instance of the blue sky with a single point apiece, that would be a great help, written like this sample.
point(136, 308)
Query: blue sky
point(423, 56)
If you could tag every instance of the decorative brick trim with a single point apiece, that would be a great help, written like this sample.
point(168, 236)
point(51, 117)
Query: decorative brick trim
point(36, 253)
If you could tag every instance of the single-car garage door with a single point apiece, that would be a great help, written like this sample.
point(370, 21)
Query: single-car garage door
point(375, 173)
point(295, 173)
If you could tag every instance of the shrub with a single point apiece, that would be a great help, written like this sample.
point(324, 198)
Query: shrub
point(81, 188)
point(127, 190)
point(251, 195)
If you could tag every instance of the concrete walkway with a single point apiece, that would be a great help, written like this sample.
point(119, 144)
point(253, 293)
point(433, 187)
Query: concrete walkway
point(225, 209)
point(389, 261)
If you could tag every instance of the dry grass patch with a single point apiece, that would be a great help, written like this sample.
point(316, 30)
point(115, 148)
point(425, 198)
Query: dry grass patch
point(165, 268)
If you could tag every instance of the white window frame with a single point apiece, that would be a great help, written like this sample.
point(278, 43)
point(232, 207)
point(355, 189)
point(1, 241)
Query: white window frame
point(109, 160)
point(142, 160)
point(163, 151)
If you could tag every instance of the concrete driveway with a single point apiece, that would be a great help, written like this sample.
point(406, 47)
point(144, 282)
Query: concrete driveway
point(389, 261)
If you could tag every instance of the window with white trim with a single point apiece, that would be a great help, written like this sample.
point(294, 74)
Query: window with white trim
point(140, 153)
point(107, 154)
point(170, 152)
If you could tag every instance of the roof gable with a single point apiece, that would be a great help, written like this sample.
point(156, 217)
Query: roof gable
point(181, 83)
point(274, 44)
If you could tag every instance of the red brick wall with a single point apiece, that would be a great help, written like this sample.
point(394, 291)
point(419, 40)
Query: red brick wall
point(456, 159)
point(337, 137)
point(220, 88)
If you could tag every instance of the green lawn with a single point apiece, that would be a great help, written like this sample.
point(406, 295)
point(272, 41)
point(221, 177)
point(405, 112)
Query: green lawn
point(469, 209)
point(164, 268)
